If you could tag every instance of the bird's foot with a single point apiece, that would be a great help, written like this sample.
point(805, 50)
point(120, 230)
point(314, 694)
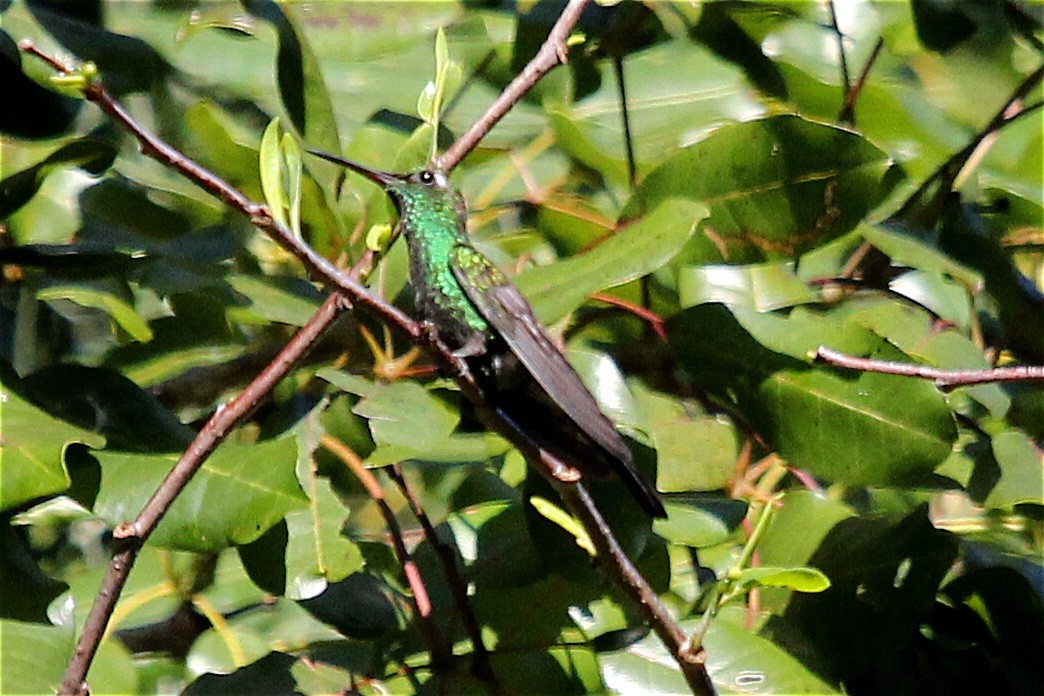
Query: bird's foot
point(475, 346)
point(431, 332)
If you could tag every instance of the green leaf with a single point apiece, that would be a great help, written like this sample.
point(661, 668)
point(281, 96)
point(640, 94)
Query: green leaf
point(664, 110)
point(279, 160)
point(36, 667)
point(118, 309)
point(763, 287)
point(801, 521)
point(129, 417)
point(238, 493)
point(814, 416)
point(25, 590)
point(32, 450)
point(291, 156)
point(264, 559)
point(885, 577)
point(270, 168)
point(603, 378)
point(693, 452)
point(318, 553)
point(566, 521)
point(1021, 470)
point(274, 299)
point(272, 670)
point(426, 103)
point(353, 384)
point(797, 579)
point(692, 526)
point(436, 93)
point(904, 249)
point(90, 154)
point(635, 251)
point(738, 661)
point(219, 143)
point(775, 187)
point(319, 123)
point(407, 414)
point(251, 635)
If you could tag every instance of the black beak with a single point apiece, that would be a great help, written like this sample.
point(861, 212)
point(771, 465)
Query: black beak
point(384, 179)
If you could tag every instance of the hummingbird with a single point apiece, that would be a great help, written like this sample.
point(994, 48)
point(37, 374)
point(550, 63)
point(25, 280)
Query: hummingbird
point(479, 314)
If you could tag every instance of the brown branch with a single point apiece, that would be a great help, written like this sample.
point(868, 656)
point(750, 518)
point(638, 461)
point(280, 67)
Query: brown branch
point(618, 566)
point(614, 561)
point(551, 54)
point(440, 651)
point(130, 537)
point(481, 665)
point(948, 170)
point(847, 114)
point(655, 320)
point(944, 379)
point(258, 213)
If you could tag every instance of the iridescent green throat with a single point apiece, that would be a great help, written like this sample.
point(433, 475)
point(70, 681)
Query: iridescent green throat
point(433, 217)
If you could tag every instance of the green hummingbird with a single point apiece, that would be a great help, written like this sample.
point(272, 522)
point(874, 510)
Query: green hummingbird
point(479, 314)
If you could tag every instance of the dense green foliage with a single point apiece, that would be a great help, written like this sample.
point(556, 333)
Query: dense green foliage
point(133, 304)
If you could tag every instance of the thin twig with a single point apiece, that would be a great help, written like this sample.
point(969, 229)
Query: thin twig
point(481, 664)
point(551, 54)
point(616, 563)
point(258, 213)
point(130, 537)
point(621, 86)
point(944, 379)
point(654, 320)
point(846, 81)
point(847, 114)
point(948, 170)
point(440, 651)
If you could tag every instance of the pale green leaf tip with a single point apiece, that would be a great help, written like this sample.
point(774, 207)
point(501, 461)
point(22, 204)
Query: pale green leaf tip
point(566, 521)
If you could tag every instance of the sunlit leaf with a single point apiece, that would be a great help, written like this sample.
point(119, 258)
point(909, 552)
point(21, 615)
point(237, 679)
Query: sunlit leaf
point(798, 579)
point(763, 287)
point(239, 492)
point(32, 450)
point(1021, 470)
point(635, 251)
point(318, 553)
point(813, 416)
point(775, 187)
point(121, 311)
point(738, 661)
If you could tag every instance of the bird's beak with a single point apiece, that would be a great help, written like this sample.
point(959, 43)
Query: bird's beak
point(384, 179)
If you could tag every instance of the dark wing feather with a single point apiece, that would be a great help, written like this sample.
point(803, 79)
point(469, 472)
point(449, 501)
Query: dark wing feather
point(506, 309)
point(510, 314)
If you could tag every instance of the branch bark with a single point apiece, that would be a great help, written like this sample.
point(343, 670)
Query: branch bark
point(551, 54)
point(131, 536)
point(944, 379)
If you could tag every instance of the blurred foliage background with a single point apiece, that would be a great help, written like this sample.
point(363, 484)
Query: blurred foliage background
point(755, 217)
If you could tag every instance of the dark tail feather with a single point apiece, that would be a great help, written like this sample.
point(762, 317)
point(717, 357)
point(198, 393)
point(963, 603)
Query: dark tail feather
point(643, 491)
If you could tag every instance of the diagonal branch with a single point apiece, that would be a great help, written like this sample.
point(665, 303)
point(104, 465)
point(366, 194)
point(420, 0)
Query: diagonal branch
point(551, 54)
point(481, 662)
point(130, 537)
point(437, 646)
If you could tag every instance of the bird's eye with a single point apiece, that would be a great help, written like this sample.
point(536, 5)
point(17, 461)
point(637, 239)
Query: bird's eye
point(427, 177)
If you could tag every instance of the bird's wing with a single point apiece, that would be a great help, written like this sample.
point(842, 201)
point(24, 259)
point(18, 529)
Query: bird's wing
point(506, 309)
